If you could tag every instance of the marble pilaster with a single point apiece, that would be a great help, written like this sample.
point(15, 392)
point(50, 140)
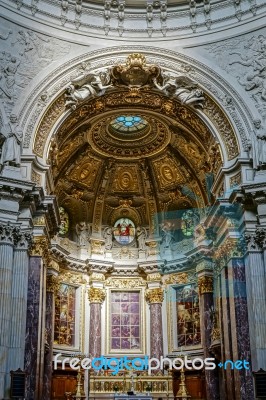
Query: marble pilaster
point(6, 262)
point(256, 302)
point(32, 327)
point(155, 298)
point(51, 287)
point(240, 331)
point(96, 298)
point(205, 283)
point(18, 305)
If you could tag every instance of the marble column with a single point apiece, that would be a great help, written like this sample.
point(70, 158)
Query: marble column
point(51, 288)
point(18, 305)
point(205, 282)
point(154, 298)
point(96, 298)
point(6, 262)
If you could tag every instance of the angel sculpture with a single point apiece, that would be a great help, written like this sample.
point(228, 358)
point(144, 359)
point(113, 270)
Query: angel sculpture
point(181, 87)
point(86, 85)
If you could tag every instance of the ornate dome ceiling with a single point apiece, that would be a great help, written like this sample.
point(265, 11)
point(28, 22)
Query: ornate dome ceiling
point(138, 19)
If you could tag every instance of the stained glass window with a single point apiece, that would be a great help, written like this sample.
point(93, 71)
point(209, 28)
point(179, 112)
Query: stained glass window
point(64, 333)
point(188, 317)
point(189, 220)
point(128, 123)
point(124, 230)
point(125, 320)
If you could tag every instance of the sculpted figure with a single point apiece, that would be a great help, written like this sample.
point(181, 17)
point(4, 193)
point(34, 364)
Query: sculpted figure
point(108, 236)
point(259, 148)
point(11, 148)
point(82, 233)
point(87, 85)
point(141, 237)
point(167, 236)
point(181, 87)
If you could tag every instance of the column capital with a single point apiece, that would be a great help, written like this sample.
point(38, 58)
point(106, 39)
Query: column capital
point(52, 283)
point(205, 283)
point(96, 295)
point(40, 246)
point(154, 295)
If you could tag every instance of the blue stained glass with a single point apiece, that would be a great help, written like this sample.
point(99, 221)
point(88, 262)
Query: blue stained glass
point(128, 123)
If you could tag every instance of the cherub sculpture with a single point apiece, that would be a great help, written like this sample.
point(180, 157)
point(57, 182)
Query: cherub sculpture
point(181, 87)
point(87, 85)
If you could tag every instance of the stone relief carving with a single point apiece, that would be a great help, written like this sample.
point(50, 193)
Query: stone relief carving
point(24, 54)
point(11, 147)
point(245, 59)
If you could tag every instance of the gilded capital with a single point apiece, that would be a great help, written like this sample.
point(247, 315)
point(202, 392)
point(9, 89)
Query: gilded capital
point(205, 284)
point(52, 284)
point(96, 295)
point(39, 247)
point(154, 295)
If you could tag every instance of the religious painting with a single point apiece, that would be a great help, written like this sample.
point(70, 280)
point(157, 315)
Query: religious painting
point(65, 303)
point(125, 320)
point(188, 316)
point(124, 231)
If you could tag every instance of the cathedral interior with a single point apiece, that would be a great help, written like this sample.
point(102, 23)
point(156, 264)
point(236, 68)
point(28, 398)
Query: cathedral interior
point(132, 199)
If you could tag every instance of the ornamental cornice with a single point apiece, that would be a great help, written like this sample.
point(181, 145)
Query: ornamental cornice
point(154, 295)
point(96, 295)
point(177, 278)
point(71, 278)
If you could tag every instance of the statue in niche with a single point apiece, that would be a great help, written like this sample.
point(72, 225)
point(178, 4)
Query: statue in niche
point(108, 236)
point(167, 236)
point(259, 147)
point(87, 85)
point(11, 147)
point(141, 237)
point(82, 233)
point(181, 87)
point(8, 77)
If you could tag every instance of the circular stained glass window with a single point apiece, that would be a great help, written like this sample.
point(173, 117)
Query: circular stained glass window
point(128, 123)
point(124, 230)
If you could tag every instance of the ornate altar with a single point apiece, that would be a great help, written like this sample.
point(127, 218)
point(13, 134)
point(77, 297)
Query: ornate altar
point(103, 385)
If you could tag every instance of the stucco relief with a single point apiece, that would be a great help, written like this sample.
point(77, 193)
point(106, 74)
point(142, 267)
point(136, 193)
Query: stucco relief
point(245, 58)
point(24, 53)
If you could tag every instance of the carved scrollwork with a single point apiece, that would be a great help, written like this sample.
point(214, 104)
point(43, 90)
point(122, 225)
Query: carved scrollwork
point(52, 284)
point(125, 283)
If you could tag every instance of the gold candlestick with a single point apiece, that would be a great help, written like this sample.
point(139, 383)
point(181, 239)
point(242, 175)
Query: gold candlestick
point(182, 392)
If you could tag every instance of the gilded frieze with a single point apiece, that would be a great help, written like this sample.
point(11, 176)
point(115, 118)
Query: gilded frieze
point(125, 283)
point(177, 278)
